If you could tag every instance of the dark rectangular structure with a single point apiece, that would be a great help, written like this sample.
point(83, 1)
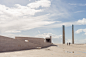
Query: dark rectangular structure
point(72, 34)
point(63, 34)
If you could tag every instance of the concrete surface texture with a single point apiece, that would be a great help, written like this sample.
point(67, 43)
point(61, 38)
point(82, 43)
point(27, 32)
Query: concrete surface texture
point(19, 43)
point(62, 50)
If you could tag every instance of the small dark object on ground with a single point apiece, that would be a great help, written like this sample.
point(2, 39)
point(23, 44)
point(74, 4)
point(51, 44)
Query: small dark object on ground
point(69, 43)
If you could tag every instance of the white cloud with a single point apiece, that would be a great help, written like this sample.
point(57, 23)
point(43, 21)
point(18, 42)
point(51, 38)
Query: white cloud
point(59, 10)
point(12, 31)
point(29, 0)
point(78, 11)
point(57, 25)
point(44, 35)
point(85, 33)
point(73, 4)
point(81, 30)
point(55, 38)
point(38, 31)
point(82, 4)
point(81, 41)
point(18, 10)
point(81, 22)
point(24, 24)
point(14, 35)
point(17, 18)
point(42, 3)
point(84, 30)
point(77, 41)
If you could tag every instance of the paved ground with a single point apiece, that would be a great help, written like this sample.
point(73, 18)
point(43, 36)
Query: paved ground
point(53, 51)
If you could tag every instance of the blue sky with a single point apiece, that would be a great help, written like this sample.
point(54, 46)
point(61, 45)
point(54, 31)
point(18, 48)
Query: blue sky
point(42, 18)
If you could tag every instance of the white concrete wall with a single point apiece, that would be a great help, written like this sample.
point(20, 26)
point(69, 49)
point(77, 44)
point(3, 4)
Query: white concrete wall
point(10, 44)
point(34, 40)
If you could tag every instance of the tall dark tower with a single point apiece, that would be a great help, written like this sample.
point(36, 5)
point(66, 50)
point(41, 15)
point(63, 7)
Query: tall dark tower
point(63, 34)
point(72, 34)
